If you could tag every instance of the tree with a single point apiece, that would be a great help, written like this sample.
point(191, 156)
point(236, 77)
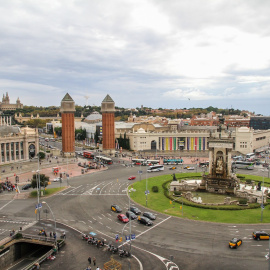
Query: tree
point(43, 180)
point(80, 134)
point(41, 155)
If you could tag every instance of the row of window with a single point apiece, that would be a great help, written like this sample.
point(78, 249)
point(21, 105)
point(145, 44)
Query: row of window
point(12, 151)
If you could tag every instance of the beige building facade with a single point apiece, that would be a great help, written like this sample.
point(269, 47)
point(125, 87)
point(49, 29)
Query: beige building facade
point(147, 136)
point(18, 144)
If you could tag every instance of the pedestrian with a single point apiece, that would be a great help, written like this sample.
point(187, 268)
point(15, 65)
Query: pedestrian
point(94, 261)
point(98, 268)
point(90, 260)
point(51, 234)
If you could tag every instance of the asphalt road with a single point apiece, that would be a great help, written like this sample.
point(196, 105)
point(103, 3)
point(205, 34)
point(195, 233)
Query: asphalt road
point(171, 243)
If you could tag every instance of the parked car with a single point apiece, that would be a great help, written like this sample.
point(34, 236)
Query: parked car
point(260, 235)
point(235, 243)
point(173, 168)
point(132, 178)
point(144, 220)
point(190, 168)
point(116, 208)
point(135, 210)
point(123, 218)
point(131, 215)
point(149, 215)
point(56, 179)
point(27, 186)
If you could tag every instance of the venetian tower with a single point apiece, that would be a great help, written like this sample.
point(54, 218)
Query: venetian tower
point(68, 130)
point(107, 110)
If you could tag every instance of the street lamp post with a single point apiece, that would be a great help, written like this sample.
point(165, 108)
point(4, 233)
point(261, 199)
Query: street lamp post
point(262, 206)
point(53, 218)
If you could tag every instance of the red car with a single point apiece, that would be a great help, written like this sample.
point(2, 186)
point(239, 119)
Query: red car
point(132, 178)
point(123, 218)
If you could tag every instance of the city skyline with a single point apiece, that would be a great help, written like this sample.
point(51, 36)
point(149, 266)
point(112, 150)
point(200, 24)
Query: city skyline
point(176, 54)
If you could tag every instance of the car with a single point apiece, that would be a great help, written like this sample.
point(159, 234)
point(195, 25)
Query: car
point(27, 186)
point(235, 243)
point(135, 210)
point(116, 208)
point(144, 220)
point(56, 179)
point(131, 215)
point(172, 168)
point(123, 218)
point(132, 178)
point(190, 168)
point(149, 215)
point(260, 235)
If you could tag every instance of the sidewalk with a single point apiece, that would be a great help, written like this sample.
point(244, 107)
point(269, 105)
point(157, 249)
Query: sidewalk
point(26, 170)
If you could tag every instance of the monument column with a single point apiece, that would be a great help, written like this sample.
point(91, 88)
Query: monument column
point(68, 129)
point(108, 131)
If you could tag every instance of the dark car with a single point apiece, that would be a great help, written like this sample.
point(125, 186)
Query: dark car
point(144, 220)
point(135, 210)
point(149, 215)
point(116, 208)
point(131, 215)
point(260, 235)
point(235, 243)
point(27, 186)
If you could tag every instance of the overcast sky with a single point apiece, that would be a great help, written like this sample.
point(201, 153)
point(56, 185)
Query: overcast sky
point(155, 53)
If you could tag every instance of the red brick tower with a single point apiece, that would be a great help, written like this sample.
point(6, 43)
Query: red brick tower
point(68, 131)
point(108, 136)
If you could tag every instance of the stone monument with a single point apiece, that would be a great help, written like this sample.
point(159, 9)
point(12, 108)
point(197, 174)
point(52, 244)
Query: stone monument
point(220, 179)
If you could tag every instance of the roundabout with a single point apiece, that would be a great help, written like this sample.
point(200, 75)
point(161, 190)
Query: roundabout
point(165, 201)
point(187, 238)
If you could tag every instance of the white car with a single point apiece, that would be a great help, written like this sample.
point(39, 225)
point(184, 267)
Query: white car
point(190, 168)
point(56, 179)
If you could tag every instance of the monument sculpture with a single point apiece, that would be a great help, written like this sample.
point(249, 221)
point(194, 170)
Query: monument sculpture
point(220, 178)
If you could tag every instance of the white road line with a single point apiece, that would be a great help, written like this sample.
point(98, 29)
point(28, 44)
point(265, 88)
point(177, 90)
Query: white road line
point(71, 190)
point(82, 221)
point(104, 187)
point(6, 204)
point(153, 227)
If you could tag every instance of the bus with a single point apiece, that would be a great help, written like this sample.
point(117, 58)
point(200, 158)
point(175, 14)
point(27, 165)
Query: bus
point(152, 162)
point(173, 161)
point(155, 168)
point(250, 156)
point(139, 161)
point(103, 159)
point(204, 164)
point(243, 165)
point(88, 154)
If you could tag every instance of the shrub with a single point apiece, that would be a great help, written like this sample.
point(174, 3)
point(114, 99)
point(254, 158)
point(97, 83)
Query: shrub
point(18, 236)
point(155, 188)
point(177, 192)
point(243, 201)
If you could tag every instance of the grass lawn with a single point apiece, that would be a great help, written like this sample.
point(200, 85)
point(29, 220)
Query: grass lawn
point(47, 192)
point(160, 203)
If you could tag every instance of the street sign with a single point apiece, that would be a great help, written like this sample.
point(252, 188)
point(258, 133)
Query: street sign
point(133, 236)
point(262, 206)
point(39, 205)
point(139, 172)
point(116, 237)
point(127, 238)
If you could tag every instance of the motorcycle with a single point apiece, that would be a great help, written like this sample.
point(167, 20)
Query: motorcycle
point(112, 249)
point(124, 253)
